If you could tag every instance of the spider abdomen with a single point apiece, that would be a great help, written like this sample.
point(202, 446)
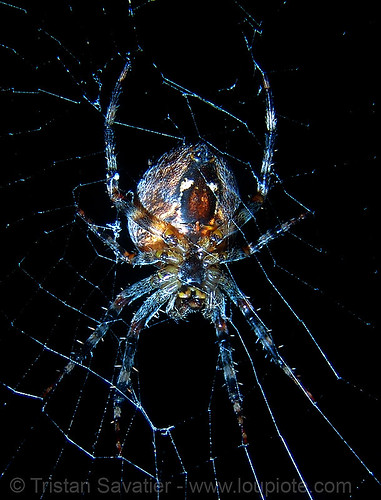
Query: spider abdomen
point(192, 191)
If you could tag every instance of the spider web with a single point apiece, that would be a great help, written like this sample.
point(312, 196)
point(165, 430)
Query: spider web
point(193, 78)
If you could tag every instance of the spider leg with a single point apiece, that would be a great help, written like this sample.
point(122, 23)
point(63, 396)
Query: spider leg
point(125, 297)
point(267, 159)
point(154, 225)
point(132, 209)
point(102, 233)
point(112, 177)
point(227, 366)
point(86, 349)
point(270, 135)
point(134, 258)
point(242, 253)
point(261, 331)
point(163, 234)
point(139, 321)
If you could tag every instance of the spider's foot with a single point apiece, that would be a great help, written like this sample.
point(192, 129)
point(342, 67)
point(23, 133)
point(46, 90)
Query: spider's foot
point(117, 416)
point(240, 418)
point(68, 368)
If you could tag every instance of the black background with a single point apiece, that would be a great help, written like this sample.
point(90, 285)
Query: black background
point(321, 61)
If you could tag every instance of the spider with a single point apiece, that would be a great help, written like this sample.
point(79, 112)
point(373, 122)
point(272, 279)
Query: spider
point(183, 219)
